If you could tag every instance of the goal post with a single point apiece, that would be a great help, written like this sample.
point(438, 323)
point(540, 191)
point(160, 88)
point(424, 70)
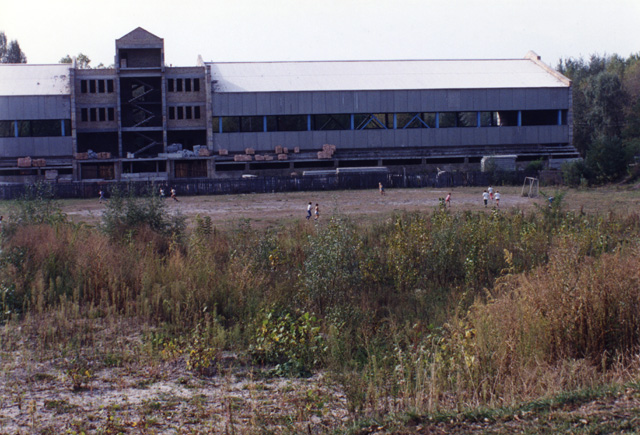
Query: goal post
point(530, 187)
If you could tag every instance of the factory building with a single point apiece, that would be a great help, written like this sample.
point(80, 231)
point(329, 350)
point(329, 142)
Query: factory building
point(143, 120)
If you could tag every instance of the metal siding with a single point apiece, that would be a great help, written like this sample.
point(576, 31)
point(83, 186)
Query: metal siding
point(263, 103)
point(347, 102)
point(347, 138)
point(361, 104)
point(519, 98)
point(414, 101)
point(386, 102)
point(249, 104)
point(437, 102)
point(305, 102)
point(506, 100)
point(235, 105)
point(331, 137)
point(544, 135)
point(453, 100)
point(400, 101)
point(319, 104)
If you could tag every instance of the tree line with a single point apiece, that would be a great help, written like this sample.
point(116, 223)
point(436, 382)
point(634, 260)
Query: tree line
point(606, 117)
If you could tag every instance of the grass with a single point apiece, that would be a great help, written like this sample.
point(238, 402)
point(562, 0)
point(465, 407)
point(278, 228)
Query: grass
point(450, 315)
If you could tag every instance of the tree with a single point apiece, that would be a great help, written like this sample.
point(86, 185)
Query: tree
point(82, 60)
point(15, 54)
point(10, 53)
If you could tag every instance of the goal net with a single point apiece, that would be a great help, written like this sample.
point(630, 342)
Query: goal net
point(530, 187)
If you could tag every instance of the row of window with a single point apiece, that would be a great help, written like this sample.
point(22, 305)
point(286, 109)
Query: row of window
point(97, 114)
point(362, 121)
point(36, 128)
point(96, 86)
point(183, 85)
point(184, 112)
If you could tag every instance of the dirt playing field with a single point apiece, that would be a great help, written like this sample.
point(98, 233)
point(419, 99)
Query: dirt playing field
point(283, 208)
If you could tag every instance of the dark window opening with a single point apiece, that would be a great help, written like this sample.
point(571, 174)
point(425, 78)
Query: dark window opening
point(111, 114)
point(539, 117)
point(110, 86)
point(507, 118)
point(314, 164)
point(187, 85)
point(357, 163)
point(180, 112)
point(196, 85)
point(101, 87)
point(24, 128)
point(252, 124)
point(290, 123)
point(172, 113)
point(448, 119)
point(105, 171)
point(196, 112)
point(102, 114)
point(488, 119)
point(84, 115)
point(179, 85)
point(372, 121)
point(222, 167)
point(269, 165)
point(331, 122)
point(93, 114)
point(467, 119)
point(188, 112)
point(191, 169)
point(83, 86)
point(401, 162)
point(230, 124)
point(416, 120)
point(170, 85)
point(7, 129)
point(92, 86)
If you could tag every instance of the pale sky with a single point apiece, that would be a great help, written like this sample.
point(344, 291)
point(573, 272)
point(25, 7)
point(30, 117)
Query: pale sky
point(273, 30)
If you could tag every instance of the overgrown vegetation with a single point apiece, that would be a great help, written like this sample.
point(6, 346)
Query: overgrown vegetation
point(419, 313)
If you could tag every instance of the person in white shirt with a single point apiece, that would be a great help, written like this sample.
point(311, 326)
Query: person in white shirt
point(485, 197)
point(497, 198)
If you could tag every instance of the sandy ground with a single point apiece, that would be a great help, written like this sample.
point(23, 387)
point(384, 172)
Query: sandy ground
point(282, 208)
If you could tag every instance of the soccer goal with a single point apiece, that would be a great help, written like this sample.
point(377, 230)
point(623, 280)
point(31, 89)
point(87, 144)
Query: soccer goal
point(530, 187)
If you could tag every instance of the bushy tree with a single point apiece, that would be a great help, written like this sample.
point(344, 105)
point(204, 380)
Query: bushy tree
point(11, 52)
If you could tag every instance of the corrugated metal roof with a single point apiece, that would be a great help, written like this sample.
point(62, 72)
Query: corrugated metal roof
point(26, 79)
point(382, 75)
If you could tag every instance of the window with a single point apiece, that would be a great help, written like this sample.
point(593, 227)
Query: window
point(170, 85)
point(252, 124)
point(101, 87)
point(179, 85)
point(231, 124)
point(488, 119)
point(292, 123)
point(507, 118)
point(188, 112)
point(7, 129)
point(196, 85)
point(467, 119)
point(416, 120)
point(539, 117)
point(110, 86)
point(172, 112)
point(83, 86)
point(331, 122)
point(372, 121)
point(102, 114)
point(180, 112)
point(196, 112)
point(187, 85)
point(24, 128)
point(84, 115)
point(92, 86)
point(448, 119)
point(93, 114)
point(46, 128)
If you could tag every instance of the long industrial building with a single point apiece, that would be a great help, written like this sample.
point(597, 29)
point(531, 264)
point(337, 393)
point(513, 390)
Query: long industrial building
point(143, 120)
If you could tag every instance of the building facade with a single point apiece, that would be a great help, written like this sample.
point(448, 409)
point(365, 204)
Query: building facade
point(143, 120)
